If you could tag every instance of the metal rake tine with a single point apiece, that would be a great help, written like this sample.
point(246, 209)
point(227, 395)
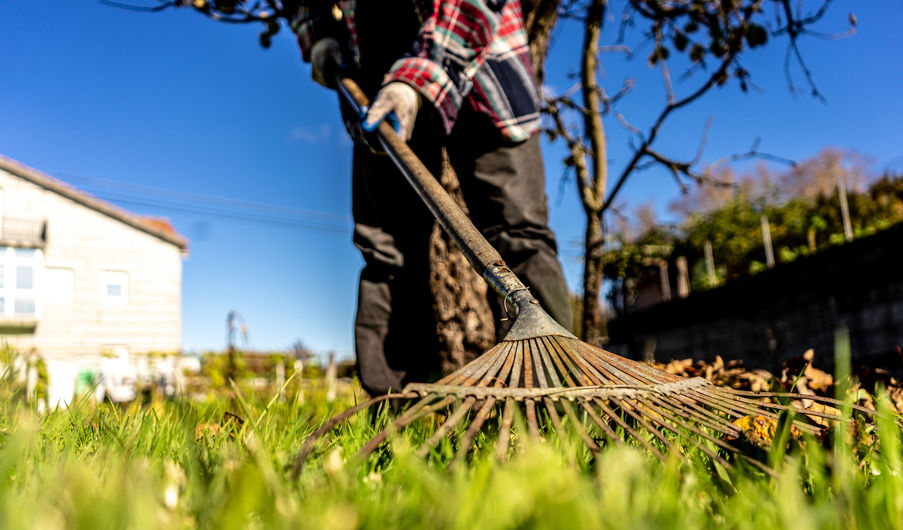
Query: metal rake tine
point(528, 364)
point(581, 430)
point(491, 374)
point(553, 415)
point(532, 421)
point(332, 422)
point(654, 374)
point(646, 425)
point(501, 448)
point(794, 395)
point(728, 406)
point(681, 410)
point(472, 430)
point(588, 369)
point(629, 430)
point(629, 409)
point(447, 426)
point(506, 368)
point(695, 431)
point(518, 356)
point(474, 370)
point(417, 411)
point(700, 411)
point(567, 368)
point(529, 404)
point(628, 369)
point(511, 368)
point(797, 397)
point(711, 398)
point(612, 374)
point(538, 368)
point(546, 356)
point(606, 428)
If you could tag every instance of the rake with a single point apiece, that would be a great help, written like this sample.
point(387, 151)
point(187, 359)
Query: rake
point(552, 379)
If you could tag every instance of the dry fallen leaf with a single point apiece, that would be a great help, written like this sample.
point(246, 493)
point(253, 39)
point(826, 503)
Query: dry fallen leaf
point(761, 430)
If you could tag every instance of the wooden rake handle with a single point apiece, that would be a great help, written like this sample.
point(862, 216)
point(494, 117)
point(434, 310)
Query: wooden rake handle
point(479, 253)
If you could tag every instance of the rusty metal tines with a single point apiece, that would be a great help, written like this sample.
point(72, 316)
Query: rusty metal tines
point(453, 420)
point(657, 418)
point(545, 377)
point(553, 415)
point(529, 404)
point(532, 421)
point(474, 371)
point(331, 423)
point(504, 435)
point(795, 397)
point(602, 424)
point(580, 428)
point(528, 364)
point(753, 409)
point(418, 410)
point(472, 431)
point(680, 409)
point(629, 406)
point(568, 371)
point(629, 430)
point(702, 414)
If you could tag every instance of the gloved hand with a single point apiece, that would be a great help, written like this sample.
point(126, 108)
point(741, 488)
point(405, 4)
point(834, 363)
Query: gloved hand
point(325, 52)
point(399, 98)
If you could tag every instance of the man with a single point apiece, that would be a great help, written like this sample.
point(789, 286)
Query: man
point(458, 73)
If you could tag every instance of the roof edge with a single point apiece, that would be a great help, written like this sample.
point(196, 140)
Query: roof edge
point(86, 199)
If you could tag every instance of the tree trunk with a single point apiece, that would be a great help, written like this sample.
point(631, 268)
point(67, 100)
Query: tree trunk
point(464, 322)
point(591, 322)
point(540, 17)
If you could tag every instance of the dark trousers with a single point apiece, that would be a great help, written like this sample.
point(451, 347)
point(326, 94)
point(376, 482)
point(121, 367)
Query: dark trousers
point(504, 188)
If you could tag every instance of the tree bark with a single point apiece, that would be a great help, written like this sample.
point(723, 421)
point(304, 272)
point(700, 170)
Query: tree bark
point(591, 321)
point(540, 17)
point(464, 322)
point(594, 130)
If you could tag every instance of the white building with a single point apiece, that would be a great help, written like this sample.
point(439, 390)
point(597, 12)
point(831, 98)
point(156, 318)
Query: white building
point(80, 277)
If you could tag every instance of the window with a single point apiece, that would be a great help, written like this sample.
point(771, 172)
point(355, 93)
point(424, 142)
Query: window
point(114, 287)
point(19, 278)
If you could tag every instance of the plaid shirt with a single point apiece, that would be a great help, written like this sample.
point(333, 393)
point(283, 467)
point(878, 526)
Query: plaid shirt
point(473, 50)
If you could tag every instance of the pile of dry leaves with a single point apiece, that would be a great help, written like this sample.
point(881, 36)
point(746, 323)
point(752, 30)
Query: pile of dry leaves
point(797, 375)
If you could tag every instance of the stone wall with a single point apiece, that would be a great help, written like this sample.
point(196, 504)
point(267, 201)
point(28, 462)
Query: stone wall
point(772, 316)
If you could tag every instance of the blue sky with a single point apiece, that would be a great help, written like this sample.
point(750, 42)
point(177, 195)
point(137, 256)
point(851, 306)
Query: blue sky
point(160, 112)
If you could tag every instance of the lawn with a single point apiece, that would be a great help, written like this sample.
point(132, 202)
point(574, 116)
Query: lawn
point(227, 463)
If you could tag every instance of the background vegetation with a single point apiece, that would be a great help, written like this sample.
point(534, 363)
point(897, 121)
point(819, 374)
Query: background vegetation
point(801, 205)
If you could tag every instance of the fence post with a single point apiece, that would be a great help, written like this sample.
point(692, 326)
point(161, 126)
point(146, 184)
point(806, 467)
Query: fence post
point(766, 240)
point(710, 264)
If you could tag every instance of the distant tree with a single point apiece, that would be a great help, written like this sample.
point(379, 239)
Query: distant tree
point(707, 40)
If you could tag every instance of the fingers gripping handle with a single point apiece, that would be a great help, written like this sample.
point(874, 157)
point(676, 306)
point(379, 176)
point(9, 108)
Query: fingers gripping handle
point(478, 252)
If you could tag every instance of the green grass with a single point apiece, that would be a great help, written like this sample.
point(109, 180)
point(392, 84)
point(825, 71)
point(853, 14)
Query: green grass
point(109, 467)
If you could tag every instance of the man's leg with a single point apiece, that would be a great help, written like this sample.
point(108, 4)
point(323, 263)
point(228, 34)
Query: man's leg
point(395, 330)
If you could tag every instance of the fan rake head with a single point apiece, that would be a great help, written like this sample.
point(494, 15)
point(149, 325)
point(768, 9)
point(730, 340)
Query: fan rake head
point(558, 382)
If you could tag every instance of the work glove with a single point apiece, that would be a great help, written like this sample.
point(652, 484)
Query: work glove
point(395, 98)
point(325, 56)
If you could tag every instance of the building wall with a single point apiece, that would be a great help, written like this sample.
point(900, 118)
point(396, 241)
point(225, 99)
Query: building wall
point(88, 243)
point(777, 314)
